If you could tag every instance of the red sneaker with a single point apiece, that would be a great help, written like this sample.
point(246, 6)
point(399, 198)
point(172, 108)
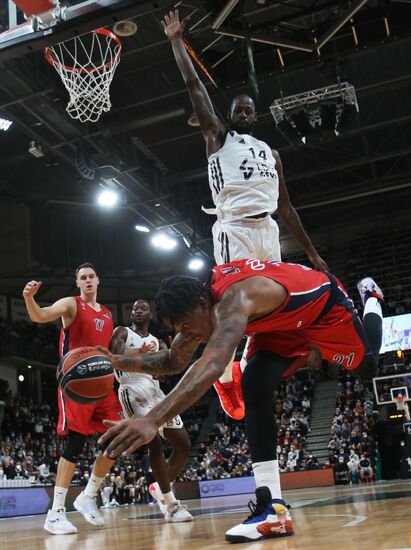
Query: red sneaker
point(230, 394)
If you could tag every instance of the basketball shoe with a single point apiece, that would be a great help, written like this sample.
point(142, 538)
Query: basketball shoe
point(157, 495)
point(177, 513)
point(88, 507)
point(230, 394)
point(269, 518)
point(368, 287)
point(58, 524)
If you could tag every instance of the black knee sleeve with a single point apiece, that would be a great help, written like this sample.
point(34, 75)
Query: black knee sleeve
point(260, 380)
point(74, 446)
point(372, 323)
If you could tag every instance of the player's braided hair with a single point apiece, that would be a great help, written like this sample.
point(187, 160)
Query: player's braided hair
point(178, 295)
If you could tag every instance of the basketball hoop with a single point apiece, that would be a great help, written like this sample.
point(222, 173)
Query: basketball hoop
point(86, 65)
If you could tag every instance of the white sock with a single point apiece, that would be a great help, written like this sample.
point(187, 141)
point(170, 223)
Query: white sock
point(169, 497)
point(93, 486)
point(59, 500)
point(372, 305)
point(158, 489)
point(227, 376)
point(267, 474)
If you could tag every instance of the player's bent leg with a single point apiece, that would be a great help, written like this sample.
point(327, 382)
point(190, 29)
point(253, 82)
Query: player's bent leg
point(269, 517)
point(159, 466)
point(86, 503)
point(56, 521)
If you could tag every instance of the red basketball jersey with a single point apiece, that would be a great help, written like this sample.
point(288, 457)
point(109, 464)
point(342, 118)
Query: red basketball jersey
point(307, 292)
point(89, 328)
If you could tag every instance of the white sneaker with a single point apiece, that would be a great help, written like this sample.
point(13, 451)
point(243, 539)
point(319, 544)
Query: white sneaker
point(177, 513)
point(58, 524)
point(88, 507)
point(158, 497)
point(114, 503)
point(368, 287)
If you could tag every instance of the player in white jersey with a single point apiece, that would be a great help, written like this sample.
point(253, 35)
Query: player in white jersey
point(247, 186)
point(138, 394)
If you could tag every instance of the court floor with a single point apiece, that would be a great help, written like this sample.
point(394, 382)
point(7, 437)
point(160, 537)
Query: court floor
point(367, 517)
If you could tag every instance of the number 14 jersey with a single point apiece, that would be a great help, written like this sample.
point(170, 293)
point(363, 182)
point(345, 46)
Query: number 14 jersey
point(243, 178)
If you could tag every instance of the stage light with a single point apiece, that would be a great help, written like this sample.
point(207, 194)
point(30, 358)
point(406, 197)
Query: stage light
point(21, 378)
point(107, 198)
point(347, 118)
point(5, 124)
point(196, 264)
point(142, 228)
point(288, 132)
point(29, 366)
point(161, 240)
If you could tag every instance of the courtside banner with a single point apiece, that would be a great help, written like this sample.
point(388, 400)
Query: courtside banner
point(23, 502)
point(230, 486)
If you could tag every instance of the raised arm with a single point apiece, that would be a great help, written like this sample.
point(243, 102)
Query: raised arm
point(65, 308)
point(290, 218)
point(229, 323)
point(211, 126)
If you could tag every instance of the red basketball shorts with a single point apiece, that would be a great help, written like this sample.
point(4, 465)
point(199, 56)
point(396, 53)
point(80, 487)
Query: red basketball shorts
point(86, 419)
point(339, 335)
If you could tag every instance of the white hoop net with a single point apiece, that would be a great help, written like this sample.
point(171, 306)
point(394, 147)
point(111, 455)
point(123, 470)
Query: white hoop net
point(86, 65)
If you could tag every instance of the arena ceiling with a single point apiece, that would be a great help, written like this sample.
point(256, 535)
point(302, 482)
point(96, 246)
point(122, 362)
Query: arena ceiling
point(158, 160)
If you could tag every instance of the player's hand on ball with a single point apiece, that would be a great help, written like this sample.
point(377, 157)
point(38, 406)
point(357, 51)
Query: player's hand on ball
point(172, 25)
point(31, 288)
point(127, 435)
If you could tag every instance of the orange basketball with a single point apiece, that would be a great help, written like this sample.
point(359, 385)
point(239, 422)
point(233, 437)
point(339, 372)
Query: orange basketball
point(85, 375)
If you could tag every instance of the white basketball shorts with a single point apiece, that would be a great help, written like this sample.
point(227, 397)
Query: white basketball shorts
point(257, 239)
point(138, 399)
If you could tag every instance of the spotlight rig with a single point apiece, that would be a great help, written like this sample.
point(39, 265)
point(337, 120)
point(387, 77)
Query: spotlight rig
point(310, 116)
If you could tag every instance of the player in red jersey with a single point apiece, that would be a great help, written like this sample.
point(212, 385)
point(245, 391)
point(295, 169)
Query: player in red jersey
point(287, 309)
point(84, 323)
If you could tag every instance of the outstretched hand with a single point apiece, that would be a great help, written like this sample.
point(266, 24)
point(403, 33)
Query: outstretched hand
point(172, 25)
point(125, 436)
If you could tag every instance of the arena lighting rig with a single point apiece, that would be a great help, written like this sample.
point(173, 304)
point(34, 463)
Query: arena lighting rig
point(306, 116)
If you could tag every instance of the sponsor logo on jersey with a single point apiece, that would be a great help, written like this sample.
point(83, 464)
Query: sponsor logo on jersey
point(230, 270)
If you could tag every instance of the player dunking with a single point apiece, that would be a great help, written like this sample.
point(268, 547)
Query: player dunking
point(84, 323)
point(138, 394)
point(287, 309)
point(247, 185)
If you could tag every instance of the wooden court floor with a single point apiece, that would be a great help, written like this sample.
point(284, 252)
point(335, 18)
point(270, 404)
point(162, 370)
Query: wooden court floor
point(368, 517)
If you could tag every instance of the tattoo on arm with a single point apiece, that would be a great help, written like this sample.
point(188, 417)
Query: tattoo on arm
point(230, 324)
point(164, 362)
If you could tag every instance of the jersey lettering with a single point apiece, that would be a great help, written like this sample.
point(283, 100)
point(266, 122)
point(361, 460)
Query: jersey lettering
point(99, 324)
point(256, 265)
point(247, 170)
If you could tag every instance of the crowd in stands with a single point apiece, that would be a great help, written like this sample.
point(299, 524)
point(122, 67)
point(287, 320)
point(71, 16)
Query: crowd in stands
point(30, 449)
point(34, 341)
point(225, 452)
point(352, 445)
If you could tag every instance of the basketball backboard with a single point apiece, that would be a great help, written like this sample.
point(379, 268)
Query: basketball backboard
point(62, 22)
point(387, 388)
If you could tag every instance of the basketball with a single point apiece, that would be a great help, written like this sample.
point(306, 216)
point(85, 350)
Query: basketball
point(85, 375)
